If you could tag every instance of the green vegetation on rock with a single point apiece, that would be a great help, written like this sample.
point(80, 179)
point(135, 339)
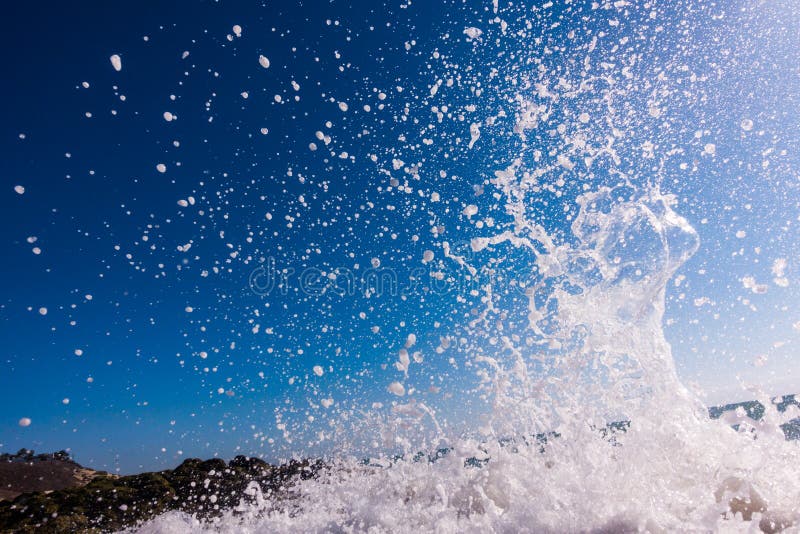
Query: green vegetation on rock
point(201, 488)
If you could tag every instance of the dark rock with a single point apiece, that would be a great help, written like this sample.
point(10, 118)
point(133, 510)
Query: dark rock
point(201, 488)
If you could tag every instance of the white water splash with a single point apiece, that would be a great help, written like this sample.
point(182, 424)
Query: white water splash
point(673, 469)
point(592, 352)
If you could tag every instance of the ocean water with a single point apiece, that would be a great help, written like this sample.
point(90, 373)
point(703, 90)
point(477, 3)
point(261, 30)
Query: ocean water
point(592, 105)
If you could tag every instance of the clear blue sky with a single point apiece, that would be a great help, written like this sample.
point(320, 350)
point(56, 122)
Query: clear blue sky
point(161, 329)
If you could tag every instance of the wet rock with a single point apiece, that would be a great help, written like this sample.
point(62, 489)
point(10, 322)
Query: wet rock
point(200, 488)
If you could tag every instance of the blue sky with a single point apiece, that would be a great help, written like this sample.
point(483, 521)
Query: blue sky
point(184, 356)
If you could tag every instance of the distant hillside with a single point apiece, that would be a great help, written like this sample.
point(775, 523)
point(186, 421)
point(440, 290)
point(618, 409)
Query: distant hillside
point(755, 410)
point(26, 472)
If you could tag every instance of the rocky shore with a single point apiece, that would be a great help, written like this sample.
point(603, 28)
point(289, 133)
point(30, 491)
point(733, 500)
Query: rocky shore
point(108, 503)
point(51, 493)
